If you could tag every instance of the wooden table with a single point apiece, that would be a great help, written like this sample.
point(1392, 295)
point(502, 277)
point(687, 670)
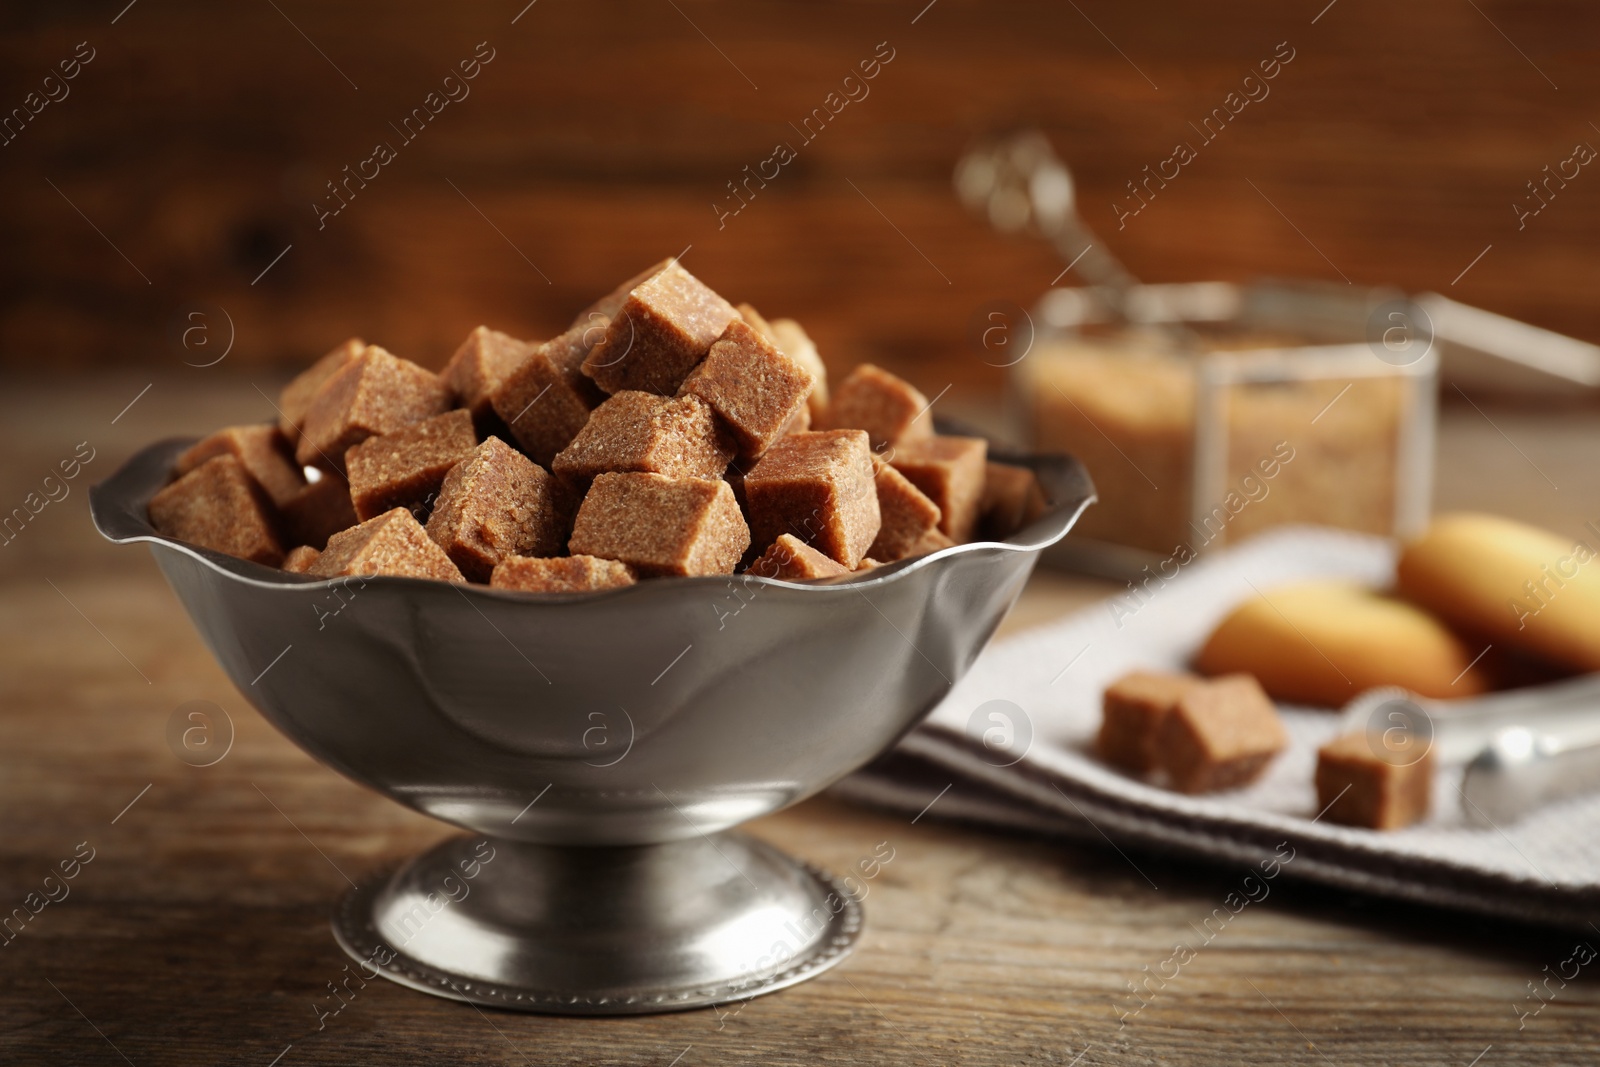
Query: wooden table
point(199, 931)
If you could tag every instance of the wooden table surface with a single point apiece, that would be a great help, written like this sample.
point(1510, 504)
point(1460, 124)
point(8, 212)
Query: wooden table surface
point(198, 933)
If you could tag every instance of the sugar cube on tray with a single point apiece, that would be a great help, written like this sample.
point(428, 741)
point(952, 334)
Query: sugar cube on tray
point(793, 560)
point(318, 511)
point(296, 396)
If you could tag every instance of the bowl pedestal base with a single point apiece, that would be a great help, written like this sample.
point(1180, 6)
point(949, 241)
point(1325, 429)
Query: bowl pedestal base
point(599, 931)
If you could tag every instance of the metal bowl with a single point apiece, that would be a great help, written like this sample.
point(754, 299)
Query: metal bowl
point(600, 746)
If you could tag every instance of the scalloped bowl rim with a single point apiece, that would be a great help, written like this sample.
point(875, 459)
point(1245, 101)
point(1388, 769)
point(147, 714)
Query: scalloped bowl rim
point(1060, 519)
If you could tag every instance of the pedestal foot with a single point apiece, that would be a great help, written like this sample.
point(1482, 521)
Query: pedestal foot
point(600, 931)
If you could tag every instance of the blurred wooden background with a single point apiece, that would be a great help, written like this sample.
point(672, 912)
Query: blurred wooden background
point(600, 135)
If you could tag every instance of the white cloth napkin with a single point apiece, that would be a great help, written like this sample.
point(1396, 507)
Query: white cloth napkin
point(1038, 772)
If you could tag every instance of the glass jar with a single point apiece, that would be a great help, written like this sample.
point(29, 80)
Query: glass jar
point(1215, 410)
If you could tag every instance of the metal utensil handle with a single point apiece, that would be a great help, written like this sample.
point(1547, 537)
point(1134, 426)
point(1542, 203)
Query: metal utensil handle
point(1521, 771)
point(1019, 181)
point(1571, 695)
point(1461, 729)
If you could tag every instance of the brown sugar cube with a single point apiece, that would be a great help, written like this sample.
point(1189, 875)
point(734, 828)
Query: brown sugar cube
point(262, 450)
point(296, 396)
point(932, 541)
point(754, 319)
point(567, 496)
point(867, 564)
point(495, 503)
point(787, 336)
point(642, 432)
point(375, 393)
point(1012, 498)
point(660, 525)
point(1132, 711)
point(818, 486)
point(321, 509)
point(793, 342)
point(560, 574)
point(908, 514)
point(800, 423)
point(546, 399)
point(950, 471)
point(734, 476)
point(479, 367)
point(792, 560)
point(757, 390)
point(1358, 785)
point(407, 467)
point(1219, 735)
point(889, 408)
point(300, 559)
point(666, 326)
point(393, 543)
point(219, 506)
point(608, 306)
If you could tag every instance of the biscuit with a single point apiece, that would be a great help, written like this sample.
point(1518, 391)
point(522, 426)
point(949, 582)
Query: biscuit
point(1517, 585)
point(1322, 643)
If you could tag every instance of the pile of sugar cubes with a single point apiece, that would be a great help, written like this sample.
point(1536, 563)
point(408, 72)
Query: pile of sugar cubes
point(665, 433)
